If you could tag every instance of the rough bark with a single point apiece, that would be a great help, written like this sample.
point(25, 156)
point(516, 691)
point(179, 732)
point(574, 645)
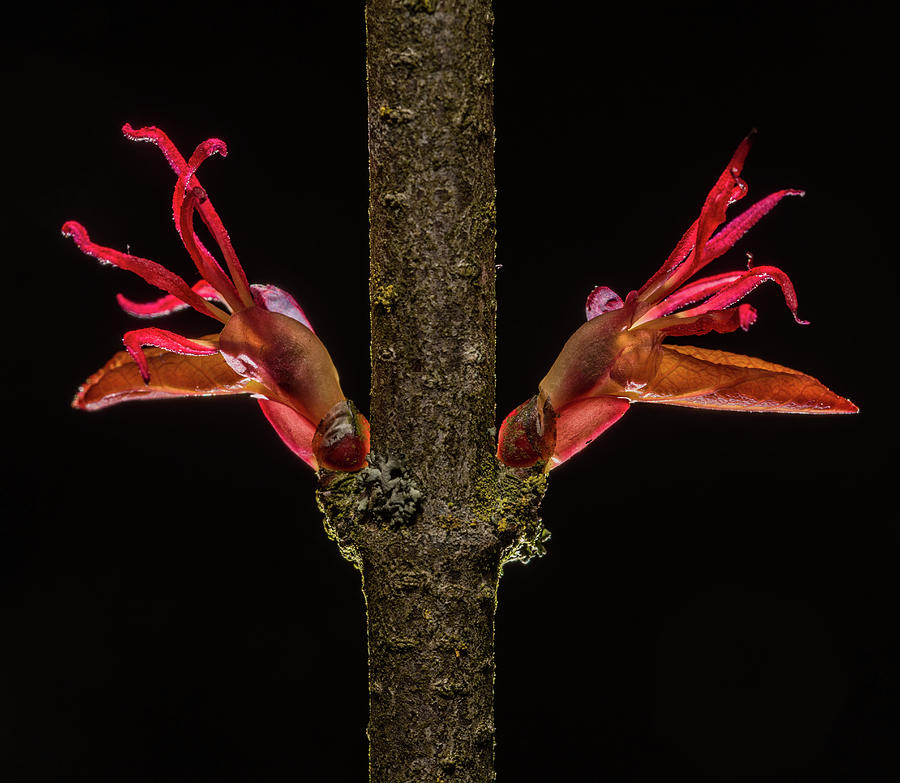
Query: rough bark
point(431, 522)
point(431, 587)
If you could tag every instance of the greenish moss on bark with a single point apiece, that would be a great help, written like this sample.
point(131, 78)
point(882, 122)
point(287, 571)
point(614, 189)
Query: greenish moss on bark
point(517, 513)
point(340, 497)
point(434, 517)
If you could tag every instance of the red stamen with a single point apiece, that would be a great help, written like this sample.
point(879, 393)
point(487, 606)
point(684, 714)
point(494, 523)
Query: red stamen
point(214, 223)
point(186, 170)
point(203, 259)
point(688, 294)
point(743, 285)
point(160, 139)
point(155, 274)
point(185, 203)
point(166, 304)
point(161, 338)
point(725, 239)
point(722, 321)
point(682, 250)
point(728, 189)
point(747, 316)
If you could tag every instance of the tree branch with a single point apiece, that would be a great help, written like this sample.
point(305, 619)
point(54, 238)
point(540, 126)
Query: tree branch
point(431, 521)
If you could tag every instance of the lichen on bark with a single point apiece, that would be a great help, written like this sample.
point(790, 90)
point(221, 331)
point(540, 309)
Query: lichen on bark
point(431, 521)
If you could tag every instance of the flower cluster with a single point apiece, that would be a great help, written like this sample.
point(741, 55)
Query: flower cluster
point(618, 356)
point(266, 346)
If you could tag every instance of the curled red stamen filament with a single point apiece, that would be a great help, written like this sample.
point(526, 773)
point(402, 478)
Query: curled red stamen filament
point(212, 221)
point(161, 338)
point(206, 264)
point(155, 274)
point(186, 170)
point(166, 304)
point(739, 288)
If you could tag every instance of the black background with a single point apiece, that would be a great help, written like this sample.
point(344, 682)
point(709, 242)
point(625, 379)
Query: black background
point(719, 599)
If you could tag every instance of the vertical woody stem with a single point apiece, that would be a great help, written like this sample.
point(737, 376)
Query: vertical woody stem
point(430, 581)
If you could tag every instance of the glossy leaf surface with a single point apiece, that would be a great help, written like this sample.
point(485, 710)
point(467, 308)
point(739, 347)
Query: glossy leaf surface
point(618, 356)
point(702, 378)
point(266, 348)
point(171, 374)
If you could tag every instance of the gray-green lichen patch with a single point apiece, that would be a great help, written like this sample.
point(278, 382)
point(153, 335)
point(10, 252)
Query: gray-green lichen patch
point(392, 499)
point(382, 493)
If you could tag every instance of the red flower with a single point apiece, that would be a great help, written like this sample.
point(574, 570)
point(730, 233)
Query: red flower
point(266, 347)
point(617, 357)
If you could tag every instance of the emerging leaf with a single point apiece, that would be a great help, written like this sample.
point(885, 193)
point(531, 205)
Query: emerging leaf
point(266, 348)
point(173, 375)
point(618, 356)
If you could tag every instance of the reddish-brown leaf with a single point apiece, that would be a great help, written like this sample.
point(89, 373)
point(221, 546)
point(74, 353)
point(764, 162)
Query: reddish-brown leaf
point(171, 375)
point(701, 378)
